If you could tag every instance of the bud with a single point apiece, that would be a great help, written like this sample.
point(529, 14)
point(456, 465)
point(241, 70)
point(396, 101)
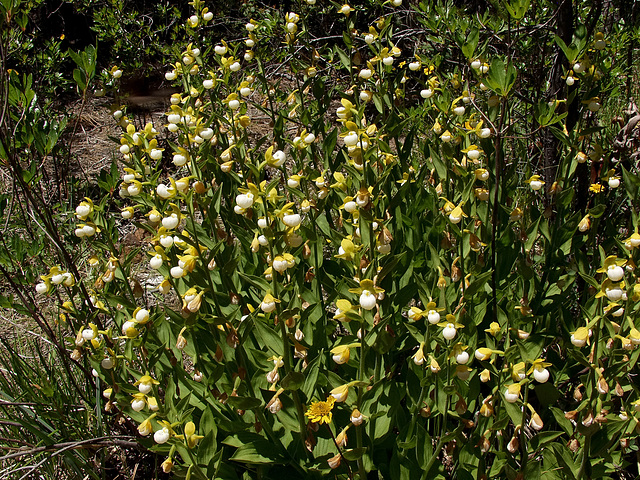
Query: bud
point(341, 439)
point(574, 445)
point(588, 420)
point(167, 465)
point(603, 386)
point(356, 417)
point(334, 462)
point(181, 342)
point(577, 394)
point(275, 405)
point(536, 422)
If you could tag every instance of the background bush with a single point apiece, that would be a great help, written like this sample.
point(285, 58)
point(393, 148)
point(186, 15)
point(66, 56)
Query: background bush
point(371, 240)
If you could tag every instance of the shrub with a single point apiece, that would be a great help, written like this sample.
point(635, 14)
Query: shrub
point(411, 251)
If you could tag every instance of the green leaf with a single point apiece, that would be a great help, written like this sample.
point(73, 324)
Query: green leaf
point(563, 422)
point(468, 46)
point(571, 52)
point(517, 8)
point(244, 403)
point(268, 337)
point(501, 77)
point(597, 211)
point(258, 452)
point(292, 381)
point(354, 454)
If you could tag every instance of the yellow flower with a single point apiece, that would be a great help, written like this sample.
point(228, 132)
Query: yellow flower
point(145, 428)
point(320, 412)
point(344, 311)
point(585, 223)
point(433, 364)
point(341, 354)
point(580, 337)
point(633, 241)
point(340, 393)
point(346, 9)
point(190, 434)
point(456, 214)
point(596, 187)
point(484, 353)
point(512, 393)
point(535, 182)
point(347, 249)
point(418, 357)
point(494, 329)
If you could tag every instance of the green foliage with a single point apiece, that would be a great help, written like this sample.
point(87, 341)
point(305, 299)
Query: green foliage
point(369, 254)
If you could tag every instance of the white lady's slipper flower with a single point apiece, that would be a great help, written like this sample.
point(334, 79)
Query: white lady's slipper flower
point(166, 241)
point(171, 222)
point(535, 182)
point(476, 64)
point(280, 264)
point(512, 393)
point(351, 139)
point(365, 74)
point(107, 363)
point(268, 303)
point(615, 273)
point(580, 336)
point(142, 316)
point(84, 210)
point(42, 288)
point(138, 402)
point(145, 428)
point(433, 317)
point(156, 261)
point(134, 188)
point(279, 157)
point(367, 300)
point(345, 9)
point(177, 272)
point(449, 331)
point(459, 111)
point(127, 213)
point(614, 293)
point(220, 49)
point(341, 354)
point(292, 220)
point(536, 422)
point(473, 154)
point(350, 206)
point(129, 329)
point(174, 118)
point(462, 357)
point(162, 436)
point(89, 334)
point(426, 93)
point(541, 375)
point(485, 133)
